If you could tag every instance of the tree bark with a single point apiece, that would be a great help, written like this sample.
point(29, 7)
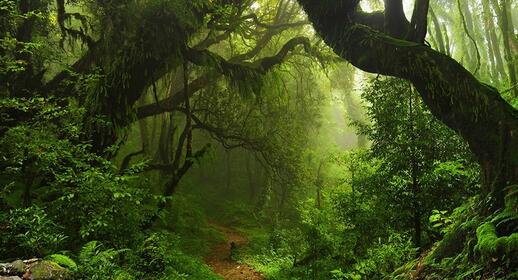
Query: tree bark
point(228, 170)
point(319, 183)
point(474, 110)
point(250, 176)
point(419, 22)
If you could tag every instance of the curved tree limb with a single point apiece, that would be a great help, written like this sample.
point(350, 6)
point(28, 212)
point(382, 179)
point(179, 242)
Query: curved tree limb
point(204, 58)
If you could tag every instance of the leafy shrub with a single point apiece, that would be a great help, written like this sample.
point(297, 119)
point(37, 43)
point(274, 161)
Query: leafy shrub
point(383, 258)
point(98, 263)
point(160, 257)
point(48, 166)
point(29, 232)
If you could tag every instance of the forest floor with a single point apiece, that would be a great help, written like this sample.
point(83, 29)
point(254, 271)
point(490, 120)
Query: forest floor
point(219, 258)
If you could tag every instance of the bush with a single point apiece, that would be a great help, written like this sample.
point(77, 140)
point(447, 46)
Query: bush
point(30, 232)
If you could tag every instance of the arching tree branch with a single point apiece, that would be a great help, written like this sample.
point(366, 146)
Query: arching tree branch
point(204, 58)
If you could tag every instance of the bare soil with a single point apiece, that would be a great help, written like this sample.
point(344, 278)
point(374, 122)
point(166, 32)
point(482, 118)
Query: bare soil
point(219, 257)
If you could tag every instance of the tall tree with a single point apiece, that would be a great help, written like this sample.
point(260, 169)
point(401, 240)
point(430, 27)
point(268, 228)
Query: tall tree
point(505, 21)
point(494, 46)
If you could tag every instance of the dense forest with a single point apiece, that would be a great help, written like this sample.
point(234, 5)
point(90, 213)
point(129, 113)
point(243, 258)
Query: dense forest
point(258, 139)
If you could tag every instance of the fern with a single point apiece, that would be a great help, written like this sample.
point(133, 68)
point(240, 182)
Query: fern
point(88, 251)
point(63, 261)
point(96, 263)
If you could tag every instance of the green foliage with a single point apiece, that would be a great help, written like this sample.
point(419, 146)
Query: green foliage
point(64, 261)
point(421, 158)
point(29, 232)
point(71, 73)
point(49, 167)
point(472, 248)
point(160, 257)
point(274, 253)
point(383, 258)
point(440, 220)
point(98, 263)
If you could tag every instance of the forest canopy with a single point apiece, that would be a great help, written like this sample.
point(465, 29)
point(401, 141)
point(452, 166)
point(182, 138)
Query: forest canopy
point(258, 139)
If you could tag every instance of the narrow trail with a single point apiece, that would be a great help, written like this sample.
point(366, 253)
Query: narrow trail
point(219, 257)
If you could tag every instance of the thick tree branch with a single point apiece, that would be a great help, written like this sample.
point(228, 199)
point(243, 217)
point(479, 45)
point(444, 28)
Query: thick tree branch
point(204, 58)
point(419, 22)
point(396, 24)
point(224, 137)
point(285, 25)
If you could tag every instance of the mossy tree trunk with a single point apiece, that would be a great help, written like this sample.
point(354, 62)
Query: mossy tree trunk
point(474, 110)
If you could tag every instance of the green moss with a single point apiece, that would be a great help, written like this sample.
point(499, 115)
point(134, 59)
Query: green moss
point(512, 243)
point(490, 245)
point(48, 270)
point(486, 236)
point(18, 266)
point(64, 261)
point(451, 245)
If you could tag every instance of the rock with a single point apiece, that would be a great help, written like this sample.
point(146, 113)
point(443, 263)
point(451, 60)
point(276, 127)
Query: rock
point(13, 268)
point(5, 268)
point(48, 270)
point(34, 269)
point(18, 267)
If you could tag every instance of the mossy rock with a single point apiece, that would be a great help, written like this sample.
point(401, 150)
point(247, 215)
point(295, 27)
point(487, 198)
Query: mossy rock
point(48, 270)
point(13, 268)
point(18, 267)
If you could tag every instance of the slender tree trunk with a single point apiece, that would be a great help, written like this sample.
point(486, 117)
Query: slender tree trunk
point(438, 33)
point(473, 35)
point(488, 24)
point(250, 176)
point(467, 46)
point(25, 82)
point(506, 26)
point(319, 184)
point(447, 44)
point(491, 28)
point(414, 169)
point(266, 190)
point(417, 207)
point(353, 111)
point(143, 139)
point(228, 174)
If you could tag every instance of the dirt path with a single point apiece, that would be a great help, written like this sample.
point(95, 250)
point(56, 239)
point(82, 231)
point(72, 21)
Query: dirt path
point(219, 257)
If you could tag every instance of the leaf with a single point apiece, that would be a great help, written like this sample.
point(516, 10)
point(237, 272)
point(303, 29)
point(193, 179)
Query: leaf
point(63, 261)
